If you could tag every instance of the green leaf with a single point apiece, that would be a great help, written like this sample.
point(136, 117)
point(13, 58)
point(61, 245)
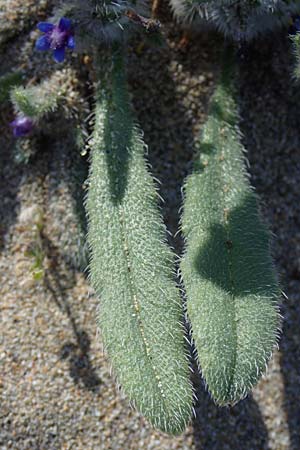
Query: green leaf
point(43, 98)
point(140, 313)
point(227, 269)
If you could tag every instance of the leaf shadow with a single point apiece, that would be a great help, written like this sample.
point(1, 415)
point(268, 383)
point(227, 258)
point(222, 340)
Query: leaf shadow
point(75, 352)
point(234, 255)
point(231, 428)
point(117, 140)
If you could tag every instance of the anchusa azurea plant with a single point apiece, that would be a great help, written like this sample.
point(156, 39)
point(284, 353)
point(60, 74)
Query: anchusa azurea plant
point(230, 287)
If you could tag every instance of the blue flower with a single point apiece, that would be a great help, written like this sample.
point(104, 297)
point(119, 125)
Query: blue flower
point(56, 38)
point(21, 126)
point(297, 23)
point(294, 25)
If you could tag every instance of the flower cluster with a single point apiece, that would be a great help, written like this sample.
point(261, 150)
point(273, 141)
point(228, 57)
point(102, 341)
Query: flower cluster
point(56, 38)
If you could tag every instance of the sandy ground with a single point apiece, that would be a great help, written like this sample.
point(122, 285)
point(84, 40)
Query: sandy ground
point(56, 387)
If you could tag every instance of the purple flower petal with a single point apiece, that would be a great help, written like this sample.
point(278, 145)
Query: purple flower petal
point(64, 24)
point(21, 126)
point(71, 42)
point(59, 54)
point(17, 132)
point(45, 26)
point(42, 43)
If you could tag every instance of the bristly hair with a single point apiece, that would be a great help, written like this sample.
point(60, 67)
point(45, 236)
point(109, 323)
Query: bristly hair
point(235, 18)
point(296, 54)
point(101, 21)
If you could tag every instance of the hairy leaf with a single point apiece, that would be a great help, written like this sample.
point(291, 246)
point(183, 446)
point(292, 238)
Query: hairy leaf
point(238, 19)
point(39, 100)
point(227, 270)
point(140, 312)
